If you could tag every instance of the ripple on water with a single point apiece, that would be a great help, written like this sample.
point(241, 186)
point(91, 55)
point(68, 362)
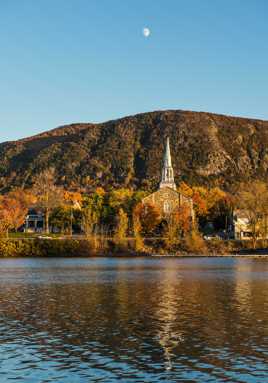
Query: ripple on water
point(142, 320)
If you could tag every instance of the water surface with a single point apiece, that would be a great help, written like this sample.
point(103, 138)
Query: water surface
point(134, 320)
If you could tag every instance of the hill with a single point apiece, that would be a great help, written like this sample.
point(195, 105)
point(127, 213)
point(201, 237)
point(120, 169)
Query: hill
point(206, 148)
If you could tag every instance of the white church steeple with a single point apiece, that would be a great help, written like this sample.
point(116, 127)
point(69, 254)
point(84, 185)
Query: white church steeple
point(167, 179)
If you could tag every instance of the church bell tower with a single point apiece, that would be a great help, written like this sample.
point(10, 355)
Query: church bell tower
point(167, 179)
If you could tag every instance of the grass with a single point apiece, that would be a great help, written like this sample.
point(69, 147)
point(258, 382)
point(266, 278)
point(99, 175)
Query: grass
point(21, 235)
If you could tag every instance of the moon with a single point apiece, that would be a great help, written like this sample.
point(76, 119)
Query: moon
point(146, 32)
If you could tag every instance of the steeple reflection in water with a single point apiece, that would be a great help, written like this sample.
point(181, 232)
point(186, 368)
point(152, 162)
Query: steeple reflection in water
point(167, 314)
point(140, 319)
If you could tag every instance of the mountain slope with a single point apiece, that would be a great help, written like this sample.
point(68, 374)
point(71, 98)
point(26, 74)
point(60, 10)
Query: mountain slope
point(206, 149)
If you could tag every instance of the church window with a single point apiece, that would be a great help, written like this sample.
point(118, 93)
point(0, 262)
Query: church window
point(166, 207)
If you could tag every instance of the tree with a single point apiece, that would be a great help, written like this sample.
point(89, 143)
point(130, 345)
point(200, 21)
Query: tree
point(122, 226)
point(60, 218)
point(178, 224)
point(13, 209)
point(5, 216)
point(199, 194)
point(89, 220)
point(150, 217)
point(185, 189)
point(73, 198)
point(72, 201)
point(137, 228)
point(194, 243)
point(200, 201)
point(211, 204)
point(19, 202)
point(121, 199)
point(253, 200)
point(92, 210)
point(49, 196)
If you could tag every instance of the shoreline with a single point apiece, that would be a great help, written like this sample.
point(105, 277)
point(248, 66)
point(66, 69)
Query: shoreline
point(210, 256)
point(86, 248)
point(168, 256)
point(133, 256)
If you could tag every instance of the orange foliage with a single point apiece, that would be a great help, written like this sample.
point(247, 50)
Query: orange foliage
point(73, 198)
point(200, 204)
point(149, 215)
point(185, 189)
point(205, 200)
point(183, 218)
point(13, 209)
point(100, 191)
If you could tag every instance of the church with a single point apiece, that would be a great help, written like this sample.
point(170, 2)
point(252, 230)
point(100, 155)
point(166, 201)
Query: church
point(167, 198)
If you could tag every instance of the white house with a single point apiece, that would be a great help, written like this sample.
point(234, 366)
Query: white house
point(242, 228)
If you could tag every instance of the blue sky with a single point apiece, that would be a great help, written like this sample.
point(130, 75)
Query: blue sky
point(64, 61)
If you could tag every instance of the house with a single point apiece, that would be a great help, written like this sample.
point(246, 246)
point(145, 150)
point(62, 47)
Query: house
point(34, 222)
point(167, 198)
point(242, 228)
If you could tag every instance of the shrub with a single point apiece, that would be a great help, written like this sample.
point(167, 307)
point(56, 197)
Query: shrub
point(194, 243)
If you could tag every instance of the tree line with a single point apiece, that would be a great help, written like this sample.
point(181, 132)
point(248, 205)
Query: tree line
point(120, 213)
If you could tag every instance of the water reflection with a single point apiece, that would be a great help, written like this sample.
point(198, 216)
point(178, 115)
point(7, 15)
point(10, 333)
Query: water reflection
point(142, 320)
point(167, 314)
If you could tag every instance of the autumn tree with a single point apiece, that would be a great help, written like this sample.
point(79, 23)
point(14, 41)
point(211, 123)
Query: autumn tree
point(122, 226)
point(89, 220)
point(199, 196)
point(178, 224)
point(150, 217)
point(185, 189)
point(72, 198)
point(60, 218)
point(5, 216)
point(92, 210)
point(137, 228)
point(72, 203)
point(49, 196)
point(121, 199)
point(13, 209)
point(194, 243)
point(253, 200)
point(210, 204)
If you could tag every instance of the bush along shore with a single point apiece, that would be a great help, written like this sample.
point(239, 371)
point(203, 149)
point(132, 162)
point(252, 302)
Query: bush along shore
point(90, 247)
point(66, 248)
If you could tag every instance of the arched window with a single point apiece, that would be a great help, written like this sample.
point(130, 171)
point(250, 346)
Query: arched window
point(166, 207)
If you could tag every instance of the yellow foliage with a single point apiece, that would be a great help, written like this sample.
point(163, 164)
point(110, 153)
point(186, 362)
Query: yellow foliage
point(185, 189)
point(100, 191)
point(194, 243)
point(122, 226)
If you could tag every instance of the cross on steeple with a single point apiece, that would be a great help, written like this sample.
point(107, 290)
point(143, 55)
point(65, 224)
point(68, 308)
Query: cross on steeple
point(167, 179)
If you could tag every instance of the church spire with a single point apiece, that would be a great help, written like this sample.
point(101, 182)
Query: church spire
point(167, 179)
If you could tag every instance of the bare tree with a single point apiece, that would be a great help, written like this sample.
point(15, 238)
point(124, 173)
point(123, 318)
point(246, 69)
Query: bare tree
point(48, 194)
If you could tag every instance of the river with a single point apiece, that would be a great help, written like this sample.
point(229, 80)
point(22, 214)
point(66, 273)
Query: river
point(134, 320)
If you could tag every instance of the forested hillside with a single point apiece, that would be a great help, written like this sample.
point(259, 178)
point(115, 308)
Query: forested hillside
point(206, 148)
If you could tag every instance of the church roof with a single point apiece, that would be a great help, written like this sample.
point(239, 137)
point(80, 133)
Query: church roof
point(170, 191)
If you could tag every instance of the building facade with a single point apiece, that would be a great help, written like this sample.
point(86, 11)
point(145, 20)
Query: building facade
point(34, 222)
point(242, 229)
point(167, 198)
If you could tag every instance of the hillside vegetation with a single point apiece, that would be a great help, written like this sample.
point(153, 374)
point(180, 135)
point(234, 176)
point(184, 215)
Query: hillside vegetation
point(209, 149)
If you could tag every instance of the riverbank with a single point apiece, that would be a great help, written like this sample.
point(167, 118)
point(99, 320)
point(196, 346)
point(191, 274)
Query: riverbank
point(82, 247)
point(63, 247)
